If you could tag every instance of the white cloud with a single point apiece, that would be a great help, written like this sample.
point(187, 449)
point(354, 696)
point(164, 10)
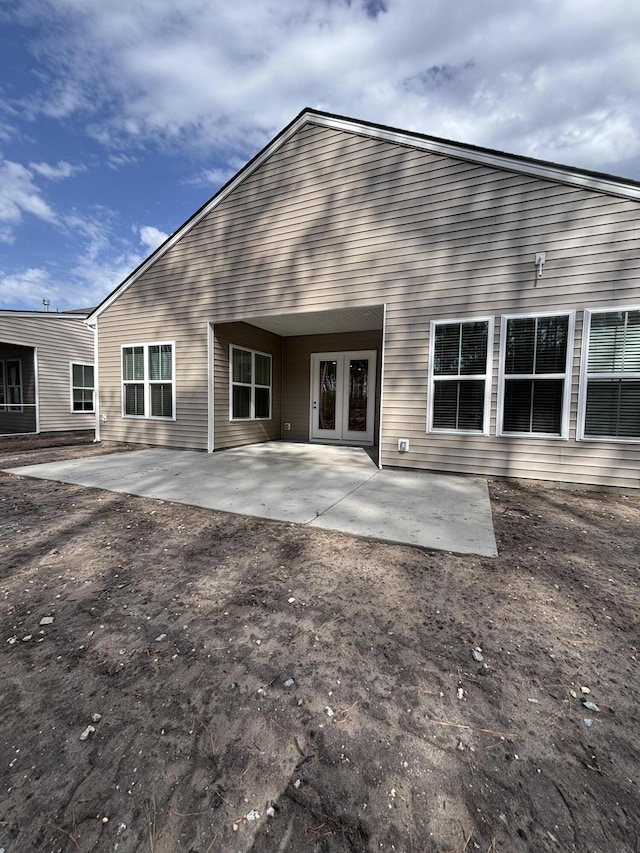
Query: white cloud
point(57, 172)
point(19, 196)
point(101, 261)
point(152, 237)
point(520, 77)
point(32, 282)
point(216, 177)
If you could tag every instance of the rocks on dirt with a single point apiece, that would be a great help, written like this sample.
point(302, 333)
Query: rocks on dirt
point(46, 620)
point(87, 732)
point(477, 654)
point(289, 682)
point(590, 706)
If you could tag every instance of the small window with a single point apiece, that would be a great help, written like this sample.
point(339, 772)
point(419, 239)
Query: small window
point(250, 384)
point(82, 388)
point(460, 375)
point(148, 381)
point(611, 376)
point(11, 385)
point(535, 375)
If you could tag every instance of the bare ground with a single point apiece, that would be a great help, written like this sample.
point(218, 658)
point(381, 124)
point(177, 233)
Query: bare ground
point(181, 628)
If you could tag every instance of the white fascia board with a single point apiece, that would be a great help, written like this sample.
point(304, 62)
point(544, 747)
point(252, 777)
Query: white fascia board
point(513, 163)
point(48, 314)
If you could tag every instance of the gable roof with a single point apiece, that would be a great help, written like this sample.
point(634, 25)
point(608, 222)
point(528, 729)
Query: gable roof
point(596, 181)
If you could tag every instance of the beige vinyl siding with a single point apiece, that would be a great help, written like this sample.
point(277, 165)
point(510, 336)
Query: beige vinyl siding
point(188, 330)
point(297, 374)
point(59, 340)
point(229, 433)
point(337, 219)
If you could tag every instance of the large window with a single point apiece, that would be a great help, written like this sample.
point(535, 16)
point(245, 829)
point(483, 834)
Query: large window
point(535, 384)
point(11, 385)
point(250, 384)
point(81, 387)
point(148, 381)
point(610, 388)
point(460, 371)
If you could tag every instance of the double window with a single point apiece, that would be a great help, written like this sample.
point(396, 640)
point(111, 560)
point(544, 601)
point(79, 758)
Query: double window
point(460, 373)
point(250, 384)
point(82, 387)
point(148, 380)
point(610, 399)
point(11, 385)
point(535, 375)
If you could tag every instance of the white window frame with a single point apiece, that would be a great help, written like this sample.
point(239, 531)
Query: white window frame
point(585, 376)
point(147, 383)
point(7, 408)
point(253, 385)
point(567, 376)
point(486, 377)
point(73, 387)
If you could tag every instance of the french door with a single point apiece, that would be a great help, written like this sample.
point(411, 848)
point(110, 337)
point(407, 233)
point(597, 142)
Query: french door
point(343, 397)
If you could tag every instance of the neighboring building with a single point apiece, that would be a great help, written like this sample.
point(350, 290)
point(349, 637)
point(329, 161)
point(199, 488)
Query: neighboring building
point(46, 372)
point(462, 309)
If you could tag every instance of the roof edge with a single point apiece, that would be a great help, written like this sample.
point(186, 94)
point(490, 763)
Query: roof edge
point(600, 181)
point(25, 312)
point(595, 181)
point(202, 211)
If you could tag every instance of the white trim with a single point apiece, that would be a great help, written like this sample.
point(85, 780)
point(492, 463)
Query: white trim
point(36, 383)
point(210, 389)
point(381, 397)
point(96, 381)
point(584, 370)
point(61, 315)
point(252, 385)
point(567, 376)
point(146, 382)
point(498, 160)
point(73, 411)
point(486, 376)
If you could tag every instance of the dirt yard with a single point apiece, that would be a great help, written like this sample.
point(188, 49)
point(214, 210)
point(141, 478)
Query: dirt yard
point(179, 679)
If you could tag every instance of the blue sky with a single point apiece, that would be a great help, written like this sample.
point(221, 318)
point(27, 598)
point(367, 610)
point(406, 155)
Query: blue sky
point(119, 118)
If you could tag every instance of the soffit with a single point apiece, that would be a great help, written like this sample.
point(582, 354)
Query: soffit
point(321, 322)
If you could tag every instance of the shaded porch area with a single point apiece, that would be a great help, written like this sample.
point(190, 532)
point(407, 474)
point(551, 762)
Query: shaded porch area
point(325, 371)
point(18, 411)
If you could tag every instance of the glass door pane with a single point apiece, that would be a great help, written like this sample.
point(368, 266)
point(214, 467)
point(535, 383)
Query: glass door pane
point(357, 400)
point(328, 387)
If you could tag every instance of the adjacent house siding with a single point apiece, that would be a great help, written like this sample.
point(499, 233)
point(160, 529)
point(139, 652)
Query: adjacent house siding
point(336, 219)
point(58, 341)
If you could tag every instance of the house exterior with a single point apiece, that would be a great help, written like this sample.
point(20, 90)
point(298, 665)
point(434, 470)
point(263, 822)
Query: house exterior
point(456, 308)
point(46, 372)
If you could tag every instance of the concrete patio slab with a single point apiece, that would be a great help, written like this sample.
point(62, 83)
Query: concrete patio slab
point(334, 488)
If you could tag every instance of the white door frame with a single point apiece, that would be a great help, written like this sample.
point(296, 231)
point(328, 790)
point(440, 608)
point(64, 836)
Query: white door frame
point(341, 433)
